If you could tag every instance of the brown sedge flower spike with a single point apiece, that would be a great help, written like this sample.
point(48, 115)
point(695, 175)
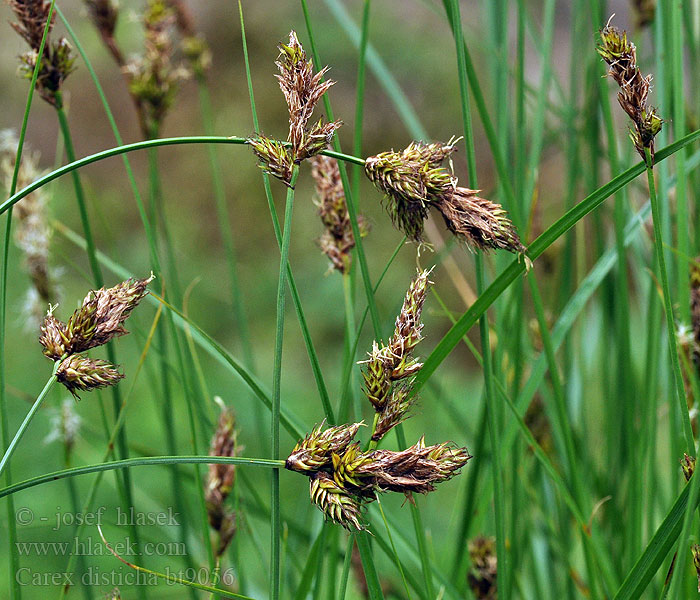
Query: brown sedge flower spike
point(302, 89)
point(621, 56)
point(482, 576)
point(394, 361)
point(32, 230)
point(337, 240)
point(413, 181)
point(56, 61)
point(99, 319)
point(220, 480)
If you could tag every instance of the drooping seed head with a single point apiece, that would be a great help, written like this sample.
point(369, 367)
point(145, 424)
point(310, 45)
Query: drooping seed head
point(338, 239)
point(80, 373)
point(335, 502)
point(480, 223)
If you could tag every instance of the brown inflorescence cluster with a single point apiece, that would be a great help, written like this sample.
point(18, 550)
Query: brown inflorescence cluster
point(337, 240)
point(220, 480)
point(32, 230)
point(302, 89)
point(99, 319)
point(621, 56)
point(483, 571)
point(342, 476)
point(56, 62)
point(414, 180)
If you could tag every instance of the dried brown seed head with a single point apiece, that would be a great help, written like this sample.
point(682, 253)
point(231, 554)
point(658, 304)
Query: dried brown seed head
point(337, 240)
point(54, 337)
point(621, 56)
point(32, 230)
point(56, 62)
point(220, 480)
point(80, 373)
point(154, 77)
point(302, 89)
point(480, 223)
point(416, 469)
point(395, 411)
point(102, 314)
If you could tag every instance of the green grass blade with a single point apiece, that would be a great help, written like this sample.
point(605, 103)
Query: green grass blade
point(13, 559)
point(374, 588)
point(309, 571)
point(276, 522)
point(492, 410)
point(139, 462)
point(656, 551)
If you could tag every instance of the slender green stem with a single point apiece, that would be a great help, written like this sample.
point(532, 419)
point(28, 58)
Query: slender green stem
point(15, 588)
point(276, 388)
point(492, 410)
point(128, 463)
point(668, 308)
point(30, 415)
point(239, 312)
point(342, 588)
point(117, 150)
point(678, 93)
point(349, 198)
point(360, 97)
